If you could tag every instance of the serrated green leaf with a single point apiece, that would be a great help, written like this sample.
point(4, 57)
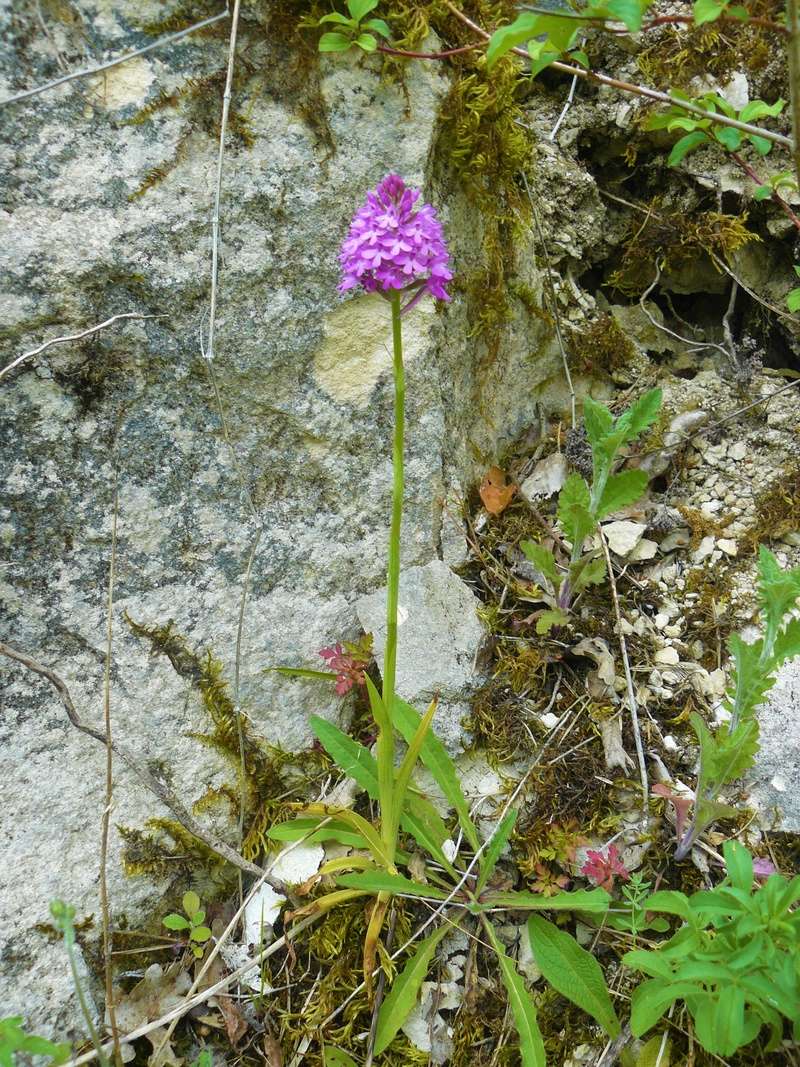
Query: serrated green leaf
point(396, 884)
point(531, 1045)
point(787, 643)
point(574, 502)
point(706, 11)
point(622, 490)
point(334, 42)
point(403, 995)
point(359, 8)
point(640, 415)
point(543, 559)
point(684, 146)
point(366, 42)
point(488, 860)
point(176, 922)
point(355, 760)
point(573, 972)
point(436, 758)
point(597, 420)
point(548, 619)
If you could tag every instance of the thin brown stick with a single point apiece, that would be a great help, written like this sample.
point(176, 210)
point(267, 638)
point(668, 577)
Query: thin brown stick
point(104, 822)
point(775, 196)
point(157, 787)
point(634, 709)
point(389, 51)
point(793, 57)
point(636, 90)
point(89, 71)
point(226, 104)
point(72, 337)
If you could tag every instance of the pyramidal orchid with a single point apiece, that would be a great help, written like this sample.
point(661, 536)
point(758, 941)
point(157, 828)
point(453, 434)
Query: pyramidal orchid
point(395, 247)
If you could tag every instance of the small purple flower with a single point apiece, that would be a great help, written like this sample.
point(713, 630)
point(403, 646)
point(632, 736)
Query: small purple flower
point(394, 247)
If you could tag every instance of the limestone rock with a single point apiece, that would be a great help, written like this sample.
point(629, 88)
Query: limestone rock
point(774, 781)
point(439, 638)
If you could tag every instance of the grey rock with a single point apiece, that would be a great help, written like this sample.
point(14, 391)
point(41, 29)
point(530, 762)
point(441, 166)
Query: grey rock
point(305, 383)
point(774, 781)
point(439, 639)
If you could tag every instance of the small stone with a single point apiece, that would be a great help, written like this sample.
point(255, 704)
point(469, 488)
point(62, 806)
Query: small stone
point(667, 656)
point(710, 507)
point(679, 538)
point(623, 535)
point(549, 720)
point(547, 477)
point(670, 744)
point(737, 451)
point(728, 546)
point(673, 631)
point(645, 549)
point(661, 620)
point(703, 550)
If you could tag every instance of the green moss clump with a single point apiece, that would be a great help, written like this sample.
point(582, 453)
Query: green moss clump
point(673, 239)
point(777, 508)
point(604, 346)
point(267, 777)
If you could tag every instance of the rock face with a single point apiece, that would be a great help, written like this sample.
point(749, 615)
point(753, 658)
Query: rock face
point(774, 781)
point(107, 212)
point(439, 640)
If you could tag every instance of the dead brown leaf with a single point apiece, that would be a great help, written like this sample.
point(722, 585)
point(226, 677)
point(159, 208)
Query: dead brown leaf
point(496, 491)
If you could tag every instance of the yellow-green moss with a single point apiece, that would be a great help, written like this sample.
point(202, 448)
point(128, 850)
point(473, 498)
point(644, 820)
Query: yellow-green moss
point(777, 508)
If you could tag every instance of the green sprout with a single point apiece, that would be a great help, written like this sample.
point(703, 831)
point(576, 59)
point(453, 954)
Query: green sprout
point(192, 921)
point(353, 31)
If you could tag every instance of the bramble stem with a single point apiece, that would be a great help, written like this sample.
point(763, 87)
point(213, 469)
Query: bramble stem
point(393, 581)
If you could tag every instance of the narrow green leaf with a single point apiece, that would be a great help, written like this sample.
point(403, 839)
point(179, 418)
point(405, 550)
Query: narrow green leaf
point(383, 882)
point(403, 994)
point(356, 761)
point(313, 829)
point(531, 1045)
point(589, 900)
point(408, 764)
point(435, 757)
point(652, 998)
point(359, 8)
point(488, 860)
point(740, 865)
point(573, 972)
point(334, 42)
point(685, 145)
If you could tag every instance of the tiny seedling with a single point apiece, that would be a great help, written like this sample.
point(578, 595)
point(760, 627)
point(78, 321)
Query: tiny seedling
point(581, 506)
point(357, 31)
point(192, 921)
point(733, 962)
point(728, 753)
point(15, 1043)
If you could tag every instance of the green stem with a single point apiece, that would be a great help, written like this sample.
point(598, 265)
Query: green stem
point(393, 581)
point(793, 56)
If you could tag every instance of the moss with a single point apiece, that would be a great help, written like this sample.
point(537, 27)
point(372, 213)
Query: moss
point(777, 508)
point(271, 776)
point(673, 239)
point(702, 525)
point(603, 345)
point(678, 55)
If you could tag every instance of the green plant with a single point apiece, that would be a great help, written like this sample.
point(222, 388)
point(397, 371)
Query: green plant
point(633, 918)
point(582, 506)
point(14, 1040)
point(192, 921)
point(63, 919)
point(793, 296)
point(728, 753)
point(353, 32)
point(734, 962)
point(699, 131)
